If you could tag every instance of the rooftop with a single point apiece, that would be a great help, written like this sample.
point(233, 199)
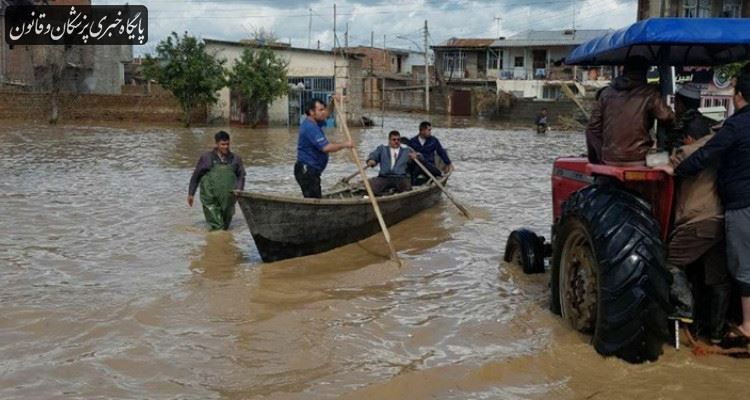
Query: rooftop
point(567, 37)
point(275, 46)
point(466, 43)
point(530, 38)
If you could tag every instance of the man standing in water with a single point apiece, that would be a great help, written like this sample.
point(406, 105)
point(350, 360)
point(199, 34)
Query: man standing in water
point(218, 172)
point(313, 149)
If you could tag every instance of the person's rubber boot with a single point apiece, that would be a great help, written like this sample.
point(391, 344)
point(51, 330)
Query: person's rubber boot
point(681, 295)
point(720, 298)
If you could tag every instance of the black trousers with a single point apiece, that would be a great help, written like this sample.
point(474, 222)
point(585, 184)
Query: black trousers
point(380, 184)
point(308, 179)
point(418, 176)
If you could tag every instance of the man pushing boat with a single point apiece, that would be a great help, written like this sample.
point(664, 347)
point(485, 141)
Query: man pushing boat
point(218, 172)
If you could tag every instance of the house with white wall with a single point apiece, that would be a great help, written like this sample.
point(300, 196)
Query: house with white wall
point(532, 63)
point(528, 64)
point(311, 73)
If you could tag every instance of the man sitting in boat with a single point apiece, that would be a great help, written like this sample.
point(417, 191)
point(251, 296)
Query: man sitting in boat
point(393, 159)
point(427, 145)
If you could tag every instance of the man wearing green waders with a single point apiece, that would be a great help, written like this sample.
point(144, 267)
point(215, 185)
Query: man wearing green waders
point(219, 172)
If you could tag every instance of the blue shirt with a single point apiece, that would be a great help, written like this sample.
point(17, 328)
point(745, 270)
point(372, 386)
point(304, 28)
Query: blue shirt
point(310, 144)
point(428, 150)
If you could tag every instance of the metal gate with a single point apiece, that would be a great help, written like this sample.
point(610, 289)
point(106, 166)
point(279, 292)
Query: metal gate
point(461, 102)
point(304, 89)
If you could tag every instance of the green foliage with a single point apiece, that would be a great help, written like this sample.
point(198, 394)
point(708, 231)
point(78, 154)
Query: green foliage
point(735, 68)
point(260, 76)
point(183, 67)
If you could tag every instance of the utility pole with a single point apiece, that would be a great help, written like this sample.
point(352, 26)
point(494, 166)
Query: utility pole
point(574, 16)
point(333, 50)
point(382, 95)
point(346, 36)
point(372, 39)
point(309, 31)
point(426, 72)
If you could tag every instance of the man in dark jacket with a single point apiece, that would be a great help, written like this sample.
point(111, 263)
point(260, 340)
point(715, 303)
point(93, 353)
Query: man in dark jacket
point(618, 130)
point(731, 147)
point(218, 172)
point(427, 145)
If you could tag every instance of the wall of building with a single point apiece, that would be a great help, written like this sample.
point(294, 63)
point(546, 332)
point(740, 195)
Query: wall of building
point(674, 8)
point(526, 72)
point(158, 107)
point(108, 73)
point(375, 59)
point(522, 88)
point(411, 60)
point(524, 111)
point(301, 64)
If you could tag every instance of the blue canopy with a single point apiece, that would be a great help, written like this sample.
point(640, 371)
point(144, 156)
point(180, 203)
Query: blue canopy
point(675, 41)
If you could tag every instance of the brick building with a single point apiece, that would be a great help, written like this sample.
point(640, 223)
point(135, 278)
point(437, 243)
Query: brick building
point(98, 69)
point(694, 8)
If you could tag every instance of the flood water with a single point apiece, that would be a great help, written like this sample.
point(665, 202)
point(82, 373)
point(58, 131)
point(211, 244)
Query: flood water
point(111, 287)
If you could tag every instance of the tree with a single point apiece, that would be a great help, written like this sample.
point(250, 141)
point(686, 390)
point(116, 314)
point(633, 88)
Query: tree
point(259, 76)
point(183, 67)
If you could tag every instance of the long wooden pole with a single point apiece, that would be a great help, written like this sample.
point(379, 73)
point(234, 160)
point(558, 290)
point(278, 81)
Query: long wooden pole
point(370, 194)
point(463, 209)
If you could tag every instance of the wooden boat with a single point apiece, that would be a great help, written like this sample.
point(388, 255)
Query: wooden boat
point(288, 226)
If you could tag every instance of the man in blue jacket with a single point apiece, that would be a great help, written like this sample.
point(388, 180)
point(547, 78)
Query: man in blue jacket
point(313, 148)
point(731, 146)
point(427, 145)
point(393, 159)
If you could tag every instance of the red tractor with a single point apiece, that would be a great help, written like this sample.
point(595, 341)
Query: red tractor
point(608, 270)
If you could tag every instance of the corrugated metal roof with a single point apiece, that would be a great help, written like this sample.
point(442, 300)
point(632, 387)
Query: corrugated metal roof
point(455, 42)
point(550, 38)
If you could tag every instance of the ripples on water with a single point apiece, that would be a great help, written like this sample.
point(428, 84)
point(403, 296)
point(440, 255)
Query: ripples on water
point(110, 286)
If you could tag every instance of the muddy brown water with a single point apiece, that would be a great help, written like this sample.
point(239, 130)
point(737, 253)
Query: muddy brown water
point(111, 287)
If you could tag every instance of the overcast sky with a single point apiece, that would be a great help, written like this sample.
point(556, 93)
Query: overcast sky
point(289, 19)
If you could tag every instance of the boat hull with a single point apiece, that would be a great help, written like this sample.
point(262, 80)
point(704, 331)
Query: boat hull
point(286, 227)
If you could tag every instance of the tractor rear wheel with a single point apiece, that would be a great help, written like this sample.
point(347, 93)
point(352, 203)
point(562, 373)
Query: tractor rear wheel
point(608, 273)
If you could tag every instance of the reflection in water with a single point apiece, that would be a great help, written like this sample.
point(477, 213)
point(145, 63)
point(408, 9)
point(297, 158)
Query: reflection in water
point(110, 285)
point(219, 258)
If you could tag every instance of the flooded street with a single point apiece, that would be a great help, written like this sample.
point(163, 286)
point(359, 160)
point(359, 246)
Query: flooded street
point(110, 286)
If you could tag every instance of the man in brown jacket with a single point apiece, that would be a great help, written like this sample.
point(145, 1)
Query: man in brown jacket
point(698, 236)
point(618, 130)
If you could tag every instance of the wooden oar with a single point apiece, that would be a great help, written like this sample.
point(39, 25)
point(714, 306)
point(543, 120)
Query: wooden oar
point(463, 209)
point(370, 194)
point(348, 178)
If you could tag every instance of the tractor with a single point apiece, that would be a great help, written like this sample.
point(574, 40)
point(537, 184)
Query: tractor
point(610, 224)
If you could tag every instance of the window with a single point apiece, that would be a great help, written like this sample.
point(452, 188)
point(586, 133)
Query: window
point(494, 59)
point(453, 61)
point(696, 8)
point(518, 61)
point(731, 9)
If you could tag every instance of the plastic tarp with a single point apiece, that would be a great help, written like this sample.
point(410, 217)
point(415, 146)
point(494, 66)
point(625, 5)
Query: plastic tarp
point(672, 41)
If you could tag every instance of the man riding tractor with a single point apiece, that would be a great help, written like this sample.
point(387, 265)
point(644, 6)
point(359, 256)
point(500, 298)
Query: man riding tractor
point(609, 276)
